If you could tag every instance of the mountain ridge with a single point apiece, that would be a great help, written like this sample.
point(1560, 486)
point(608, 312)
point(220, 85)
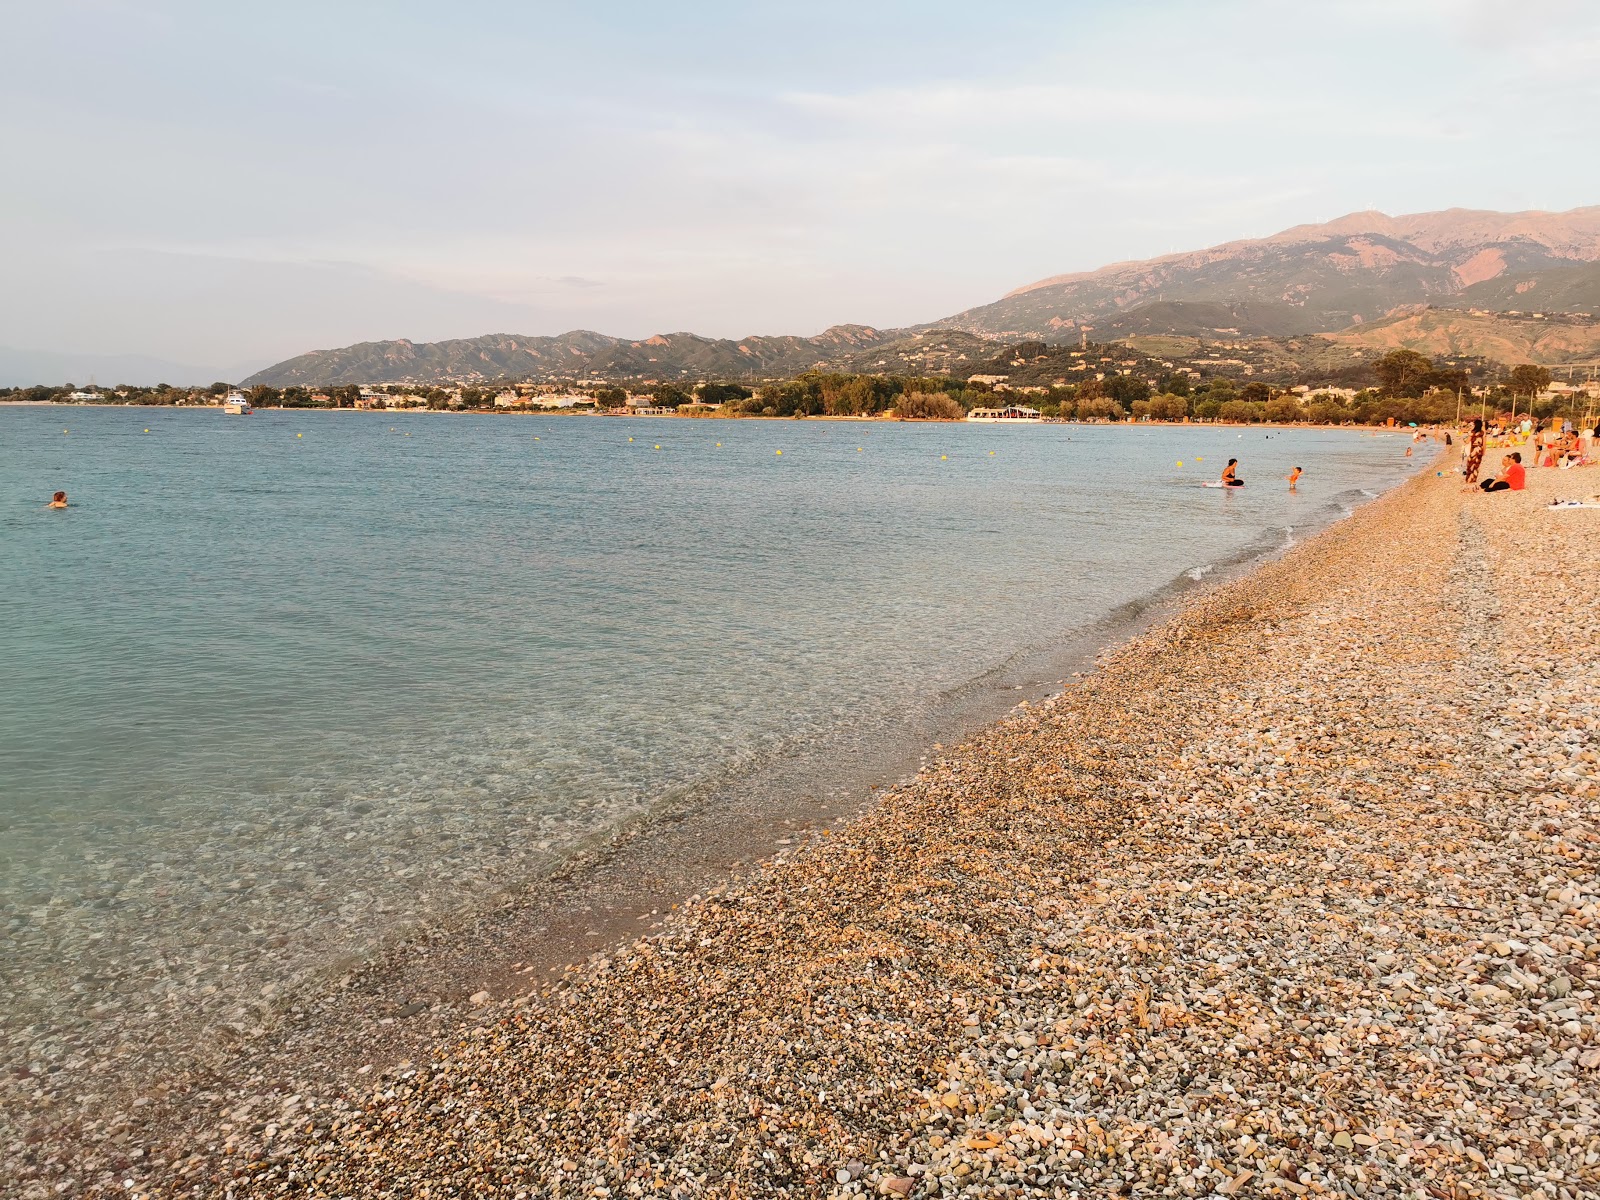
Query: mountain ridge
point(1320, 278)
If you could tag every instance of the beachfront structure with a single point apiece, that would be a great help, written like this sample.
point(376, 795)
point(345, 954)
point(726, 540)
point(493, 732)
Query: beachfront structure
point(1011, 412)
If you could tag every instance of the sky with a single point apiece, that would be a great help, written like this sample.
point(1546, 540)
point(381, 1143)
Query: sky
point(230, 184)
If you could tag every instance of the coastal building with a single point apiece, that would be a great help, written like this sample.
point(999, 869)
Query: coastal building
point(1011, 412)
point(508, 399)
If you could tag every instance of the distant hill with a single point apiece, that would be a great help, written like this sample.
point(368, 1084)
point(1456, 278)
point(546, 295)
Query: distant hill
point(1312, 278)
point(1556, 289)
point(1363, 272)
point(1199, 318)
point(929, 352)
point(1553, 340)
point(577, 355)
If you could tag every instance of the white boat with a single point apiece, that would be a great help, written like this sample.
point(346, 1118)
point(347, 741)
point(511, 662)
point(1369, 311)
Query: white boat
point(235, 403)
point(1011, 412)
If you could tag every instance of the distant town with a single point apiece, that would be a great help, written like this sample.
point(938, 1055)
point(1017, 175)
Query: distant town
point(1144, 379)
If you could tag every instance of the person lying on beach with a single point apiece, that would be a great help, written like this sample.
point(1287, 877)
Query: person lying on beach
point(1229, 476)
point(59, 500)
point(1294, 477)
point(1512, 478)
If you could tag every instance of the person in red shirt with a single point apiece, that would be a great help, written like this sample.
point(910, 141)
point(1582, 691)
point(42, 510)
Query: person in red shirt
point(1513, 475)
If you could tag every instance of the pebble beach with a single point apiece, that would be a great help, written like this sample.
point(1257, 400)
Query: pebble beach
point(1295, 894)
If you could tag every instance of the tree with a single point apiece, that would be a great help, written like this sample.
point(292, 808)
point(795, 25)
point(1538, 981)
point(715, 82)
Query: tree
point(670, 395)
point(1528, 380)
point(1175, 384)
point(610, 397)
point(723, 393)
point(219, 389)
point(1404, 373)
point(1126, 389)
point(1256, 392)
point(1285, 409)
point(1098, 408)
point(929, 406)
point(1169, 407)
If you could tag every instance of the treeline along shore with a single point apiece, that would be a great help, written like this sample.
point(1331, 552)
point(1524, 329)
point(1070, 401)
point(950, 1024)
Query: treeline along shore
point(1294, 895)
point(1097, 384)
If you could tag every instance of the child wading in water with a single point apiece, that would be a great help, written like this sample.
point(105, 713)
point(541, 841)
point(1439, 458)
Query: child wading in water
point(1294, 477)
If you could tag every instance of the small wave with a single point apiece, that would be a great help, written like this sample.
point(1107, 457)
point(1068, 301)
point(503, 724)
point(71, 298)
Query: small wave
point(1288, 536)
point(1200, 572)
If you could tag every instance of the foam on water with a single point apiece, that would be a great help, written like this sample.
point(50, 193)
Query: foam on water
point(280, 686)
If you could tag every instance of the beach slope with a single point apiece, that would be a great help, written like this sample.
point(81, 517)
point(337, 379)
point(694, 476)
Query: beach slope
point(1294, 895)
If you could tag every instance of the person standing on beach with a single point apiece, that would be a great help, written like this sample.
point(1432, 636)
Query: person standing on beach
point(1474, 453)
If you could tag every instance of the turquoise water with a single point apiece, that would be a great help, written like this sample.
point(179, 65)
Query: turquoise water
point(278, 685)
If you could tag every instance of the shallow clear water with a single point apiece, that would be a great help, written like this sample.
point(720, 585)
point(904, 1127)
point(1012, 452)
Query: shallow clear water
point(275, 685)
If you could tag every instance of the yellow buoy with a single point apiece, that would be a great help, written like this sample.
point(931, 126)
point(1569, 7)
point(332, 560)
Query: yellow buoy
point(299, 435)
point(630, 439)
point(943, 457)
point(147, 431)
point(719, 445)
point(858, 449)
point(991, 454)
point(1180, 462)
point(658, 447)
point(536, 439)
point(780, 452)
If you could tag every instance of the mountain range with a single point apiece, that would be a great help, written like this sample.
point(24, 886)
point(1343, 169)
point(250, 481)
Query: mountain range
point(1355, 275)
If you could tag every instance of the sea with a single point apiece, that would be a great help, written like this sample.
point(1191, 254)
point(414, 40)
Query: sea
point(277, 688)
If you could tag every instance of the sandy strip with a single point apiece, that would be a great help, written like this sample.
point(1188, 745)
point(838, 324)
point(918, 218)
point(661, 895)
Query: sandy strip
point(1296, 895)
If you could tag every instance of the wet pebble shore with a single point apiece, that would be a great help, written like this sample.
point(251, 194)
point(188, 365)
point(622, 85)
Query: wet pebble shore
point(1295, 895)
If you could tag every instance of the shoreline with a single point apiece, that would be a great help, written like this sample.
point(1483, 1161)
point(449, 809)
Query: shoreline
point(386, 1005)
point(958, 917)
point(418, 988)
point(850, 418)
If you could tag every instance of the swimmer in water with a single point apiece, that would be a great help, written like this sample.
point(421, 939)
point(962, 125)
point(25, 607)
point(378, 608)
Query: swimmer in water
point(59, 500)
point(1294, 477)
point(1229, 477)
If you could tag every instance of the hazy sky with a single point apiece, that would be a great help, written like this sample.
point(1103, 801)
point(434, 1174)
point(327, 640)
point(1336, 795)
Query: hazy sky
point(229, 183)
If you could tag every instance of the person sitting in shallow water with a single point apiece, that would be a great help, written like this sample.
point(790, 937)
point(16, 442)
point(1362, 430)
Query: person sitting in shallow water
point(1230, 477)
point(59, 500)
point(1513, 476)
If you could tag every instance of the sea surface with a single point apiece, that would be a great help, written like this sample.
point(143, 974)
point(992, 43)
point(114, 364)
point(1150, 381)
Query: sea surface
point(277, 687)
